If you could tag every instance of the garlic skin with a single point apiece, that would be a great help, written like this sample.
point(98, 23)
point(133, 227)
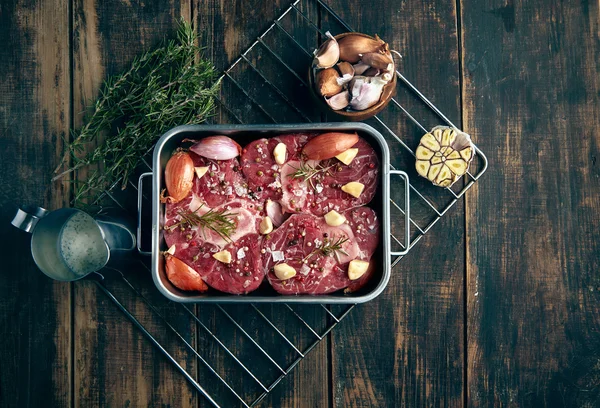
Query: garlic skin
point(352, 45)
point(328, 53)
point(339, 101)
point(372, 71)
point(360, 68)
point(345, 68)
point(327, 82)
point(368, 94)
point(347, 71)
point(377, 60)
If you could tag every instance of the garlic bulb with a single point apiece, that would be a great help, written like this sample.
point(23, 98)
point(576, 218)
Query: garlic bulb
point(444, 155)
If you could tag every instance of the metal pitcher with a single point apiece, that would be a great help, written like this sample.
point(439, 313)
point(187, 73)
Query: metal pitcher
point(69, 244)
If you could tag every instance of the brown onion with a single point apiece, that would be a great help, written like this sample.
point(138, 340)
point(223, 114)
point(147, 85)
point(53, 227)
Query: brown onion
point(182, 275)
point(354, 44)
point(217, 148)
point(328, 145)
point(179, 176)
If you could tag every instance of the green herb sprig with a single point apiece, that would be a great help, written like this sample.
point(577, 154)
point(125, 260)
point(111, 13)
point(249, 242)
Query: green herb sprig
point(330, 247)
point(306, 172)
point(163, 88)
point(219, 221)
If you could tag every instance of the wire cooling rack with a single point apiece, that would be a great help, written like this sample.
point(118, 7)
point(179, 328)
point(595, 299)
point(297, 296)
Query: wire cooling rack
point(235, 355)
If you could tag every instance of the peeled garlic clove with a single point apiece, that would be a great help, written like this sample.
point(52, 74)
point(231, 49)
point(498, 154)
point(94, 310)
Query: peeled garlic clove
point(357, 268)
point(283, 271)
point(266, 225)
point(327, 82)
point(339, 101)
point(217, 148)
point(444, 155)
point(352, 45)
point(328, 54)
point(354, 188)
point(179, 176)
point(372, 71)
point(328, 145)
point(369, 94)
point(378, 60)
point(279, 153)
point(360, 68)
point(200, 171)
point(334, 219)
point(223, 256)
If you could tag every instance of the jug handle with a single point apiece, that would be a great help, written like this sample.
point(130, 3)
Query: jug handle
point(139, 226)
point(28, 219)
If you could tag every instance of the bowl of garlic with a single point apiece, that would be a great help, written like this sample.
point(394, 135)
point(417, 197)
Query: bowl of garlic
point(353, 75)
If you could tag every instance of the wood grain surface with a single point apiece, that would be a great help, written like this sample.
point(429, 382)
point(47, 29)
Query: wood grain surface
point(35, 312)
point(531, 83)
point(498, 305)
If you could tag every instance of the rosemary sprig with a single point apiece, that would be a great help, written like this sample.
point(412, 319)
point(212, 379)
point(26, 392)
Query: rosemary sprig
point(330, 247)
point(306, 172)
point(163, 88)
point(219, 221)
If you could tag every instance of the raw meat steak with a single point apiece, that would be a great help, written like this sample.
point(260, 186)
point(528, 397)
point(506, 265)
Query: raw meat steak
point(364, 223)
point(260, 169)
point(244, 274)
point(195, 246)
point(246, 217)
point(222, 182)
point(363, 169)
point(297, 243)
point(322, 192)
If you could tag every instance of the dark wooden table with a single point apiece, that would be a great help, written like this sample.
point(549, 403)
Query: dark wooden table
point(497, 305)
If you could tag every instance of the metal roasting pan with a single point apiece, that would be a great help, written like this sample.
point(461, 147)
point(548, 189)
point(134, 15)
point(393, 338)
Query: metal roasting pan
point(244, 134)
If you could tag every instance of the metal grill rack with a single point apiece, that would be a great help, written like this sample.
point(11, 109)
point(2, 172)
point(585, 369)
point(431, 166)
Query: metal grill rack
point(236, 354)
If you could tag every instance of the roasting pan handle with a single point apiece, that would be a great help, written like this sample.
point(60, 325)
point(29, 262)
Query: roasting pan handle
point(140, 200)
point(406, 244)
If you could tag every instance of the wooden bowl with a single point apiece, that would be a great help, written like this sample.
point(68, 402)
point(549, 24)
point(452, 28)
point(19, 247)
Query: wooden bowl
point(389, 91)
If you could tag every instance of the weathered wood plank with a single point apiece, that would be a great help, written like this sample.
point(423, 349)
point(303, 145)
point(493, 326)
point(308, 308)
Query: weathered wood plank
point(531, 95)
point(35, 312)
point(114, 363)
point(406, 347)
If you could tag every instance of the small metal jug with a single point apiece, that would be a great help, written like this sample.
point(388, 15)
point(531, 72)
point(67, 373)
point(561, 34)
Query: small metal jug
point(69, 244)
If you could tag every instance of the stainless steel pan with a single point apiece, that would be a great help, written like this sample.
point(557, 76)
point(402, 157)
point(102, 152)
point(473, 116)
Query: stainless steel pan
point(244, 134)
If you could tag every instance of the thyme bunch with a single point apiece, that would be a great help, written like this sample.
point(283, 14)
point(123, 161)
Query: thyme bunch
point(163, 88)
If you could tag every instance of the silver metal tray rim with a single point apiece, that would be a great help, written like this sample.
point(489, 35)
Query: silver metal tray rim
point(384, 212)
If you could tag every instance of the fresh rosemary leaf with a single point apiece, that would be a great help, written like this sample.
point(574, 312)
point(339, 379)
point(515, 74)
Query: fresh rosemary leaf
point(330, 247)
point(306, 172)
point(163, 88)
point(219, 221)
